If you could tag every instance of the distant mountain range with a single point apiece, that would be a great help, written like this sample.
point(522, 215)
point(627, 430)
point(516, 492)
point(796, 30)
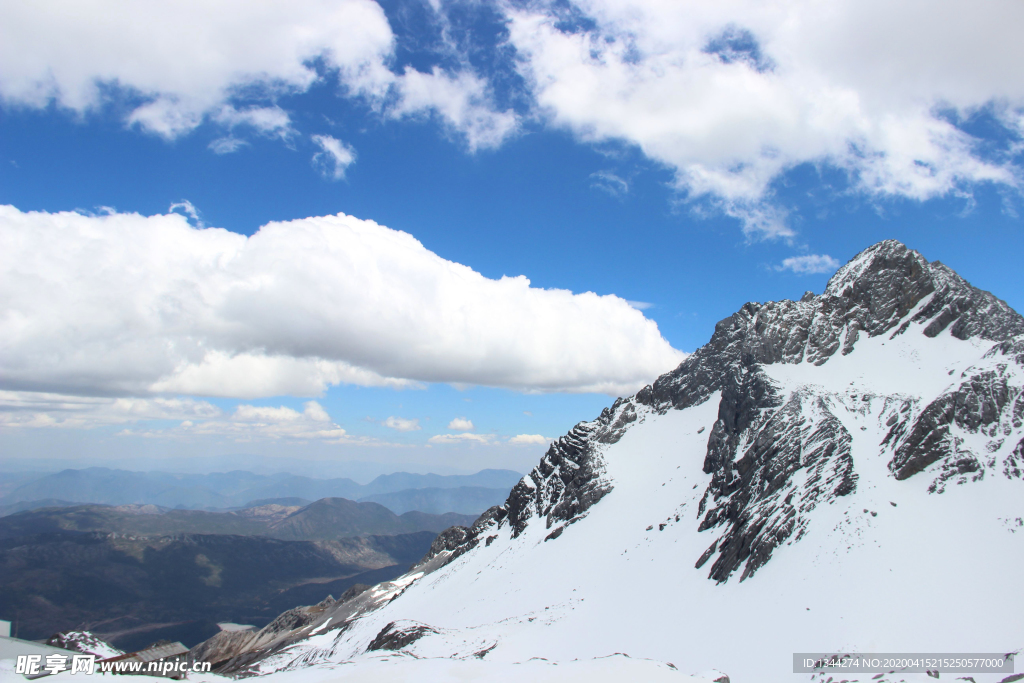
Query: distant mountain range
point(237, 489)
point(325, 519)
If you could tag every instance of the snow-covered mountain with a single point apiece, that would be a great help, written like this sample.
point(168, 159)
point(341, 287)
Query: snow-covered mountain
point(838, 473)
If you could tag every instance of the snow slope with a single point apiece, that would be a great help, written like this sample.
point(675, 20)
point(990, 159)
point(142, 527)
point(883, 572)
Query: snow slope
point(838, 474)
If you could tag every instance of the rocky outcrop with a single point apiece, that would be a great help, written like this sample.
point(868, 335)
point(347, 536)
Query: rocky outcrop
point(396, 636)
point(754, 497)
point(988, 403)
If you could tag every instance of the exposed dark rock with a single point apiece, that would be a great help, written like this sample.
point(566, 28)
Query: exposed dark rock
point(988, 401)
point(449, 539)
point(568, 479)
point(753, 496)
point(398, 635)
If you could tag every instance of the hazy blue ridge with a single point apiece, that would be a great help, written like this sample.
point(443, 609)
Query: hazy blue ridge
point(227, 489)
point(467, 500)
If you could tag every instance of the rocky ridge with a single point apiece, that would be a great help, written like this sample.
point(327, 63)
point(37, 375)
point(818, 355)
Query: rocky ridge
point(762, 438)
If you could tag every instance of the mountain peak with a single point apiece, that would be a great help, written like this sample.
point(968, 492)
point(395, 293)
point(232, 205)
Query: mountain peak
point(889, 258)
point(887, 282)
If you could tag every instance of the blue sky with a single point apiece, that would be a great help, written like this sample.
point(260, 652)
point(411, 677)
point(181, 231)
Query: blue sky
point(682, 158)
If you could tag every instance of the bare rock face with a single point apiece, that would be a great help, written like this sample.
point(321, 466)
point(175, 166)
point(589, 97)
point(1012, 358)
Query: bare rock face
point(398, 635)
point(754, 496)
point(988, 403)
point(762, 438)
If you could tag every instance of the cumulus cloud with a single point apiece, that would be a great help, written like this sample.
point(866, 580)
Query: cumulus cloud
point(401, 424)
point(729, 95)
point(809, 264)
point(529, 439)
point(461, 424)
point(179, 64)
point(74, 53)
point(123, 304)
point(250, 423)
point(335, 156)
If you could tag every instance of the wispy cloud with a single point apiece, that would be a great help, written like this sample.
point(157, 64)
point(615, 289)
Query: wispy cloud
point(145, 417)
point(29, 409)
point(462, 102)
point(335, 157)
point(606, 181)
point(809, 265)
point(185, 206)
point(227, 145)
point(265, 120)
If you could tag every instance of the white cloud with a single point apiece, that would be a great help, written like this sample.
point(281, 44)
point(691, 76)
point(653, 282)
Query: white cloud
point(461, 424)
point(27, 410)
point(640, 305)
point(809, 264)
point(266, 120)
point(186, 60)
point(401, 424)
point(251, 423)
point(529, 439)
point(186, 207)
point(335, 157)
point(606, 181)
point(488, 439)
point(465, 437)
point(125, 304)
point(227, 144)
point(44, 409)
point(181, 63)
point(731, 94)
point(249, 375)
point(462, 102)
